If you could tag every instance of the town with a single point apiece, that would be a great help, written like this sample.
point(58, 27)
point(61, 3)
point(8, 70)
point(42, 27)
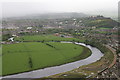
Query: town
point(94, 29)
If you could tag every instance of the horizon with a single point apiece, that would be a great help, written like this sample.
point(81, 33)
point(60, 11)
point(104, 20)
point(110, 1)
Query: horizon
point(93, 7)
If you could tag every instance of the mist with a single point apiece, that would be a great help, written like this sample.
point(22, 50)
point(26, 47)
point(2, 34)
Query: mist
point(95, 7)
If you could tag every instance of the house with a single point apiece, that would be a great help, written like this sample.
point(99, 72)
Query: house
point(29, 28)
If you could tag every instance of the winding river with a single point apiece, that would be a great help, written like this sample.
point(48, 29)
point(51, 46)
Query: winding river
point(96, 55)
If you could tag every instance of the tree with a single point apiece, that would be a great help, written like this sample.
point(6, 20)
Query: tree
point(30, 62)
point(6, 37)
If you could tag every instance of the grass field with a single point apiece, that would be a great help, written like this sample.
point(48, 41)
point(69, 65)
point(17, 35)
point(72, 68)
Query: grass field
point(104, 28)
point(29, 56)
point(45, 38)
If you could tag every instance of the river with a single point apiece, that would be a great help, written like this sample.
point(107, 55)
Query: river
point(96, 55)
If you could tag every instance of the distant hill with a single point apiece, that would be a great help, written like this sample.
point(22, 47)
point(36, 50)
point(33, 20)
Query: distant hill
point(69, 20)
point(61, 15)
point(100, 21)
point(53, 16)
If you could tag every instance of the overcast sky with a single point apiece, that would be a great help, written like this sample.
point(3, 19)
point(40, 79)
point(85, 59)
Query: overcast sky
point(11, 8)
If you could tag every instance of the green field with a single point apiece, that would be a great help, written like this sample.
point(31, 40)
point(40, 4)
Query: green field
point(28, 56)
point(45, 38)
point(17, 57)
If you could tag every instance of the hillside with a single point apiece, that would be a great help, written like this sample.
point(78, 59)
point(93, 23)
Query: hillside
point(100, 21)
point(63, 20)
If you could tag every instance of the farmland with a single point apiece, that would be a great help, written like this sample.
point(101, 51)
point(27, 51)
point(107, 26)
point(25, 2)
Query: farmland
point(28, 56)
point(45, 38)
